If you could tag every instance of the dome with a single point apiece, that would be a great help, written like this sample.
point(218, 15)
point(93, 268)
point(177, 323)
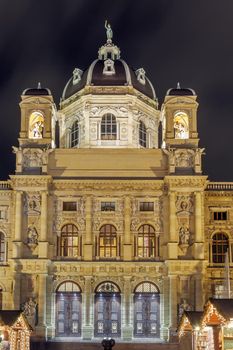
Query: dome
point(36, 91)
point(178, 91)
point(109, 70)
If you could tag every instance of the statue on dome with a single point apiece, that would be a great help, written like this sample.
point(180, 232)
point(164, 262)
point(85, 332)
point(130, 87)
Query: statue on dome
point(109, 32)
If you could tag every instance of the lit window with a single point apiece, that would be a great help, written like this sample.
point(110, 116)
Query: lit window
point(146, 206)
point(108, 127)
point(108, 241)
point(146, 242)
point(181, 125)
point(36, 125)
point(69, 206)
point(142, 134)
point(74, 135)
point(220, 245)
point(69, 242)
point(107, 206)
point(220, 215)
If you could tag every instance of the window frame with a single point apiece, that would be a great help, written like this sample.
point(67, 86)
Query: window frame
point(108, 242)
point(74, 134)
point(3, 248)
point(67, 203)
point(108, 127)
point(219, 247)
point(147, 243)
point(142, 135)
point(67, 248)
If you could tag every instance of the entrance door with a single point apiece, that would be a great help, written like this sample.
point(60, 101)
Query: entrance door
point(68, 313)
point(146, 313)
point(108, 313)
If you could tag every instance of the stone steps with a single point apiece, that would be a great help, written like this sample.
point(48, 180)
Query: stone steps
point(73, 345)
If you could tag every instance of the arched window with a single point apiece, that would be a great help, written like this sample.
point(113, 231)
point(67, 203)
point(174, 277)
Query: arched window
point(68, 310)
point(36, 125)
point(146, 242)
point(107, 310)
point(181, 125)
point(2, 247)
point(142, 134)
point(146, 310)
point(74, 134)
point(108, 127)
point(70, 245)
point(108, 242)
point(220, 245)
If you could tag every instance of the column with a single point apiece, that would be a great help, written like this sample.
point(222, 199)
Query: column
point(41, 327)
point(173, 305)
point(43, 241)
point(165, 310)
point(127, 233)
point(88, 241)
point(198, 244)
point(127, 326)
point(88, 310)
point(172, 236)
point(18, 225)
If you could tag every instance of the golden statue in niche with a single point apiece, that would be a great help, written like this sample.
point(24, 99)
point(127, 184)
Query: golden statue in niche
point(181, 125)
point(36, 125)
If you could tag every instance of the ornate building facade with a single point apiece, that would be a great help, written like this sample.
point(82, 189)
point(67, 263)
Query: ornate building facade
point(103, 233)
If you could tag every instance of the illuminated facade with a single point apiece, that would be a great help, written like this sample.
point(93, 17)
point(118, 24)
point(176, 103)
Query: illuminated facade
point(102, 232)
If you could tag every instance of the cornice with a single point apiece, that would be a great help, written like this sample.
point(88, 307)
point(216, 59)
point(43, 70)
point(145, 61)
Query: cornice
point(27, 181)
point(112, 185)
point(180, 182)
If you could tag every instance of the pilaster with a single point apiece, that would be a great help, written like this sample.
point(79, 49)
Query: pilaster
point(41, 327)
point(88, 317)
point(198, 247)
point(17, 244)
point(173, 304)
point(127, 233)
point(172, 237)
point(43, 243)
point(88, 242)
point(127, 328)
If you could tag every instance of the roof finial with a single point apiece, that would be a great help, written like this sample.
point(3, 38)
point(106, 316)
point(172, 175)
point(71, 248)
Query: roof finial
point(39, 85)
point(178, 86)
point(109, 32)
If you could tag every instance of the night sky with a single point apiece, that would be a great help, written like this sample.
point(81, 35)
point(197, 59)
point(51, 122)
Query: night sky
point(190, 41)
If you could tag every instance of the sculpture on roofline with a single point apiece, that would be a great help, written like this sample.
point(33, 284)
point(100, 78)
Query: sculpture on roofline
point(109, 32)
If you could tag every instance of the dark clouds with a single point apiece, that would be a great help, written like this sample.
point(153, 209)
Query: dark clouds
point(174, 40)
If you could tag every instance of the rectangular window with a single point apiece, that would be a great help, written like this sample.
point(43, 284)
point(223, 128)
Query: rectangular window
point(2, 214)
point(146, 206)
point(69, 206)
point(220, 215)
point(107, 206)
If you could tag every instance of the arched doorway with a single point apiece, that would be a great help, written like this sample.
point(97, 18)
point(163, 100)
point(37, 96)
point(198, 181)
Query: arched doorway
point(107, 310)
point(68, 310)
point(146, 310)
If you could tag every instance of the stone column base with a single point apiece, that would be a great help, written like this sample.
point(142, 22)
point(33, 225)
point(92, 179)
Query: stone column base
point(87, 332)
point(164, 333)
point(127, 332)
point(172, 250)
point(127, 252)
point(43, 250)
point(88, 252)
point(198, 250)
point(41, 332)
